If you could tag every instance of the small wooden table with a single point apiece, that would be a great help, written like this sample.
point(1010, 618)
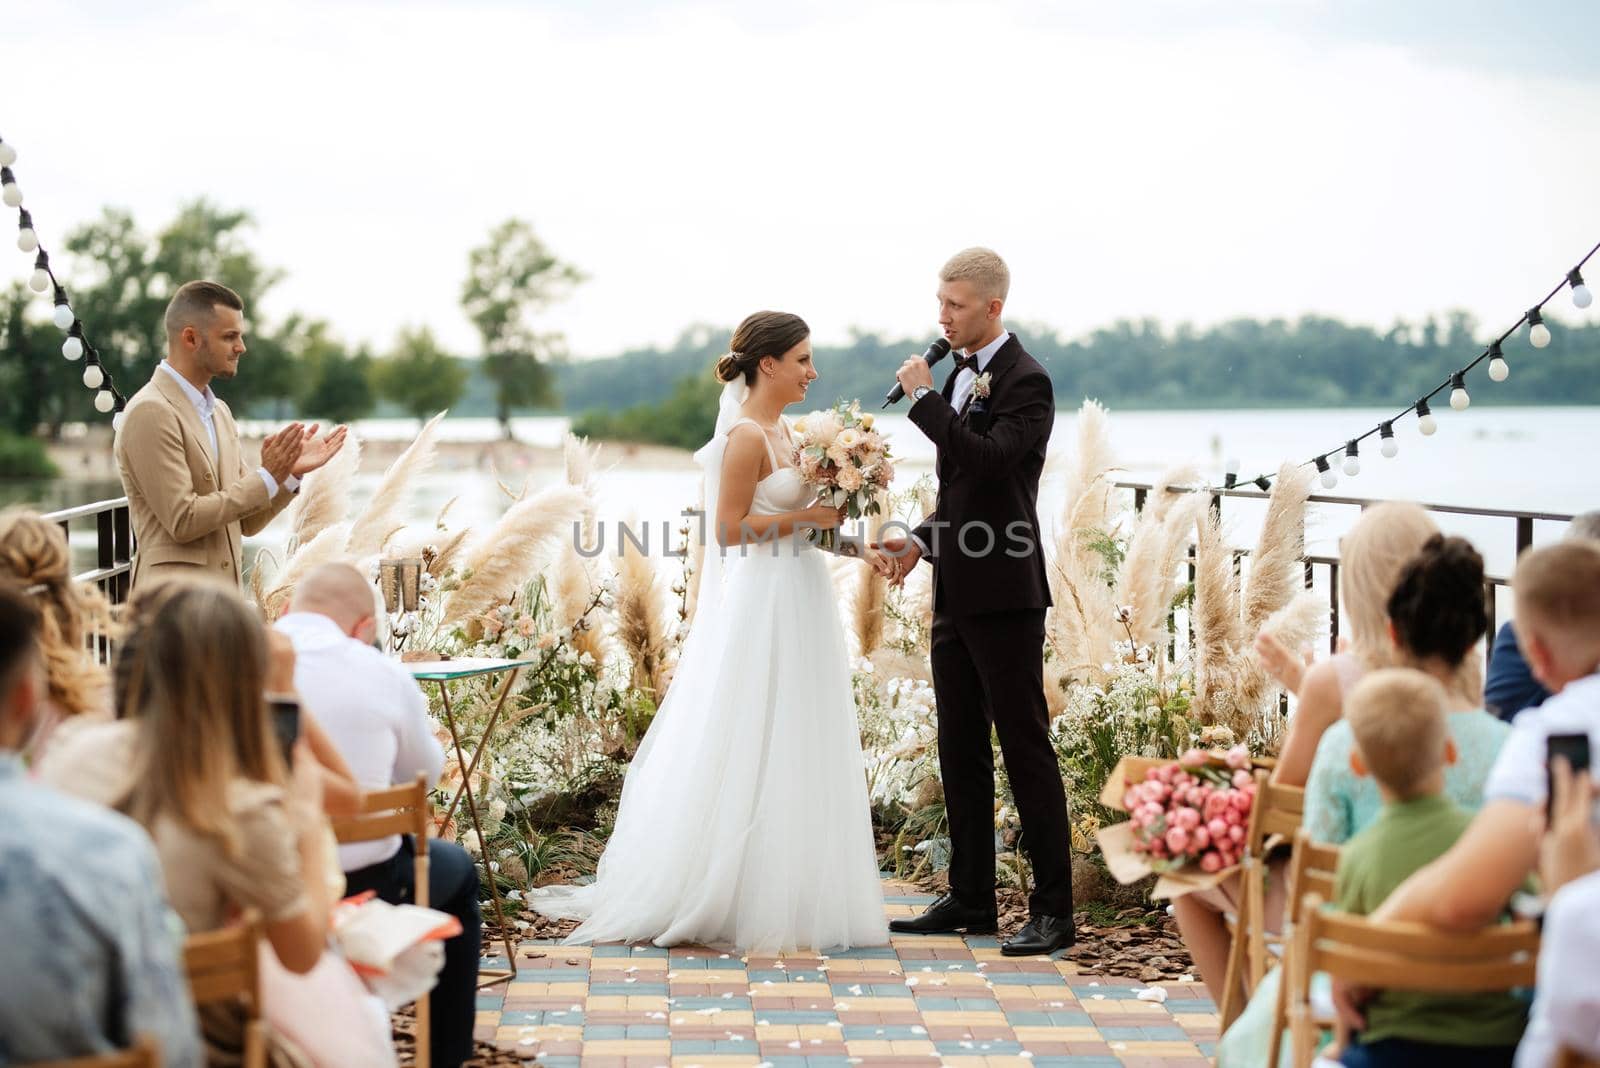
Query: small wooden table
point(445, 672)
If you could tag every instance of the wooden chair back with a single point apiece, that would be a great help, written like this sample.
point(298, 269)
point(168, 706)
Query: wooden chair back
point(1570, 1058)
point(399, 810)
point(144, 1053)
point(1398, 956)
point(1275, 815)
point(1313, 869)
point(222, 967)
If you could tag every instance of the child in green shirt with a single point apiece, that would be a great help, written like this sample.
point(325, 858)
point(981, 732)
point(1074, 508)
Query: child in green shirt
point(1397, 719)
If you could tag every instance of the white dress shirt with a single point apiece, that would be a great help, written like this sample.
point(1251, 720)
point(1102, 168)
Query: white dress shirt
point(963, 387)
point(1519, 771)
point(1566, 1004)
point(205, 406)
point(371, 708)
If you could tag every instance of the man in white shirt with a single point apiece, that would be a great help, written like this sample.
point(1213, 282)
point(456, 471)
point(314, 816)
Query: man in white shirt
point(191, 497)
point(1557, 592)
point(377, 718)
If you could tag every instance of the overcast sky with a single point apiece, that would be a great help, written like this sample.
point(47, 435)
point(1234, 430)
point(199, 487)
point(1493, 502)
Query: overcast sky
point(700, 160)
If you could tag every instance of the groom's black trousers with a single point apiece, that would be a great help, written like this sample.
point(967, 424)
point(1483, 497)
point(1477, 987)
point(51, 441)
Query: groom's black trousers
point(989, 669)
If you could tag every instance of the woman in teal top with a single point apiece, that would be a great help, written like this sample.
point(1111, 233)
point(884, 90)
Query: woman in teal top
point(1436, 618)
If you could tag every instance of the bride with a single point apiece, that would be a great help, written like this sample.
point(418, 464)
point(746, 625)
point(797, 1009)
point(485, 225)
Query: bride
point(744, 817)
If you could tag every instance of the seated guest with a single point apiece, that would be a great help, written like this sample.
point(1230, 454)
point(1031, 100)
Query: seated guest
point(1436, 617)
point(1557, 593)
point(1566, 1007)
point(1372, 554)
point(1511, 686)
point(234, 829)
point(91, 962)
point(1397, 718)
point(34, 554)
point(378, 719)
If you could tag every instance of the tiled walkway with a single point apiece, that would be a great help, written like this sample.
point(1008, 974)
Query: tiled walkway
point(922, 1001)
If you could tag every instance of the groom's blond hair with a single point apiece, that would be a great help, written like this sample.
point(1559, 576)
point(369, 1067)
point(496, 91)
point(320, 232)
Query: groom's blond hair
point(983, 267)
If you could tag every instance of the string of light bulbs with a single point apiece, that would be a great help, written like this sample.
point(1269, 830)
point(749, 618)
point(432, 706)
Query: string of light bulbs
point(76, 346)
point(1499, 370)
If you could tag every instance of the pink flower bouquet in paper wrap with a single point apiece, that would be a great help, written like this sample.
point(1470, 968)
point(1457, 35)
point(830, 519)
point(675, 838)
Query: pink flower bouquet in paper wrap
point(1187, 819)
point(844, 460)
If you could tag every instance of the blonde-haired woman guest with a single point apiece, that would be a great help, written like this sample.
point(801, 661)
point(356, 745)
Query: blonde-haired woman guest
point(34, 553)
point(1371, 557)
point(234, 827)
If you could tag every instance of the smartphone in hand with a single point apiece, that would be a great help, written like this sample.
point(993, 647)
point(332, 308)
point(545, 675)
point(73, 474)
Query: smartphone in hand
point(1575, 747)
point(286, 724)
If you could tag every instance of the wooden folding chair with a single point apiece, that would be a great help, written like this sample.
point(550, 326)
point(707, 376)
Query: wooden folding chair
point(398, 810)
point(1568, 1058)
point(1275, 814)
point(221, 966)
point(1312, 870)
point(144, 1053)
point(1398, 956)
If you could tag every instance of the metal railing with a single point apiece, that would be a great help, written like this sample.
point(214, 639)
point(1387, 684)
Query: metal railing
point(1522, 530)
point(113, 570)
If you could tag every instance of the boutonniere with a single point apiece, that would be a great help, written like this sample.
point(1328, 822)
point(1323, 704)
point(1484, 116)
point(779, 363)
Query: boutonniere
point(980, 386)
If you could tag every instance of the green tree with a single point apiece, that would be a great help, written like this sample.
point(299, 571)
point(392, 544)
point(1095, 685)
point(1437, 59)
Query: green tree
point(338, 386)
point(510, 279)
point(419, 375)
point(35, 382)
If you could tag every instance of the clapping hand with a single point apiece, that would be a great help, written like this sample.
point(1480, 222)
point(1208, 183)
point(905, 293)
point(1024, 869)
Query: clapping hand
point(281, 451)
point(315, 453)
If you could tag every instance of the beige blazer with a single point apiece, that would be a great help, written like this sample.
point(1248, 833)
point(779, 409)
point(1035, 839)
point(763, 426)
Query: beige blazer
point(189, 511)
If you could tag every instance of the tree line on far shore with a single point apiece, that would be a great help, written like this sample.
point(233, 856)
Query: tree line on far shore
point(121, 278)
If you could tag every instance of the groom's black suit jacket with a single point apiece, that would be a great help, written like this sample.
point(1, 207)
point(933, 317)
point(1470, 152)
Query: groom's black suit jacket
point(990, 457)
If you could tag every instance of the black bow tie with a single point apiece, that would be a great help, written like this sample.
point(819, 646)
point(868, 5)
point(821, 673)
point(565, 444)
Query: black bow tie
point(967, 363)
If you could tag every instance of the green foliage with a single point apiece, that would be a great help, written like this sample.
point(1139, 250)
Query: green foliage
point(509, 280)
point(685, 419)
point(24, 457)
point(1244, 363)
point(338, 385)
point(419, 375)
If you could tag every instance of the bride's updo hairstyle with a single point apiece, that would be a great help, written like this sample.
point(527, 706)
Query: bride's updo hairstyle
point(1438, 610)
point(765, 333)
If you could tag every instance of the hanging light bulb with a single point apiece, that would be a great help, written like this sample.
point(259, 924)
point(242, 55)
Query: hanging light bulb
point(1425, 420)
point(1499, 370)
point(93, 376)
point(118, 419)
point(1352, 461)
point(1329, 479)
point(1230, 473)
point(1459, 398)
point(8, 155)
point(27, 240)
point(39, 280)
point(72, 348)
point(1580, 292)
point(1386, 443)
point(1538, 333)
point(62, 315)
point(104, 401)
point(10, 192)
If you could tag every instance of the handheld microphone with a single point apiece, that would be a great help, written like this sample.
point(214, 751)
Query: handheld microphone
point(936, 352)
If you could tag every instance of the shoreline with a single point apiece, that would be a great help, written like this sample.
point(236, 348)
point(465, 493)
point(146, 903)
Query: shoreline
point(89, 457)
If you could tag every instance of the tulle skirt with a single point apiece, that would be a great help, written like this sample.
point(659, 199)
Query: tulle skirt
point(744, 818)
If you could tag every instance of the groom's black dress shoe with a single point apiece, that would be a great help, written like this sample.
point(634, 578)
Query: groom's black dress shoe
point(945, 915)
point(1041, 934)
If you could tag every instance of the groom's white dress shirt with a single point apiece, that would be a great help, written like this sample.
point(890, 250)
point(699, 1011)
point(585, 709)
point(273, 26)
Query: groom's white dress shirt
point(964, 380)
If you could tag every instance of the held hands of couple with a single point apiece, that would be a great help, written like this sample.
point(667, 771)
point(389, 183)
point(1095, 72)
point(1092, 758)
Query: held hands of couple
point(899, 557)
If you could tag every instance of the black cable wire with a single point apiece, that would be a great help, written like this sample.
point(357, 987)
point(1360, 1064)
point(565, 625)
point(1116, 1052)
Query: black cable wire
point(91, 355)
point(1488, 351)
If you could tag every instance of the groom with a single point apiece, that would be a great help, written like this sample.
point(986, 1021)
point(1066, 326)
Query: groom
point(991, 423)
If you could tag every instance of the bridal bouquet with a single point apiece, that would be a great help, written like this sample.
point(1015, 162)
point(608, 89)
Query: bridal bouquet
point(845, 460)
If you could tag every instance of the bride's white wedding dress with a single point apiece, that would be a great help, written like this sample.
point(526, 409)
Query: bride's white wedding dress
point(744, 818)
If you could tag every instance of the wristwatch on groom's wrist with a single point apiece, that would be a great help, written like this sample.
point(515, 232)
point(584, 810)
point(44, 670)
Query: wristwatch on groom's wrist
point(920, 392)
